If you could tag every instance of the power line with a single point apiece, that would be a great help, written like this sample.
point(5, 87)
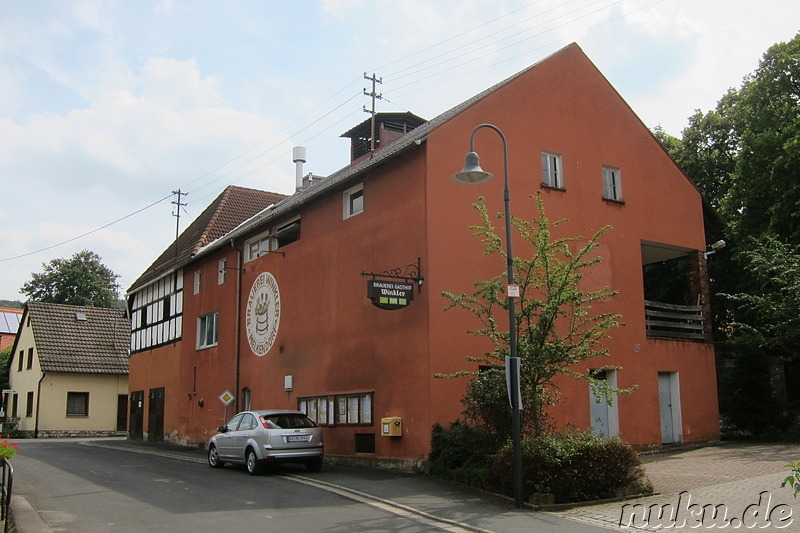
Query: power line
point(87, 233)
point(211, 177)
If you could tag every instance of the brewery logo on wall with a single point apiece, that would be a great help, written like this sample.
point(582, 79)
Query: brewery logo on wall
point(263, 313)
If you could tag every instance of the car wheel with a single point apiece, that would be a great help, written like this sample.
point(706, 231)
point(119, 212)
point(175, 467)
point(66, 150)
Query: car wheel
point(314, 465)
point(213, 457)
point(253, 465)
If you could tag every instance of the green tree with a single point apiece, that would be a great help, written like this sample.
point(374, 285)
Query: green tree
point(762, 334)
point(556, 325)
point(744, 156)
point(5, 360)
point(74, 281)
point(765, 192)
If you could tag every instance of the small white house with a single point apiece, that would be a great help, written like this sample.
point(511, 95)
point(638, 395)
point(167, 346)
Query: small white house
point(68, 372)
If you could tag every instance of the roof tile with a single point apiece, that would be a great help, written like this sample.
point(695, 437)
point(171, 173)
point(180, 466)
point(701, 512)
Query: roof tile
point(83, 339)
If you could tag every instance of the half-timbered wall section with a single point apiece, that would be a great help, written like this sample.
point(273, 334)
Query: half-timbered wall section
point(157, 313)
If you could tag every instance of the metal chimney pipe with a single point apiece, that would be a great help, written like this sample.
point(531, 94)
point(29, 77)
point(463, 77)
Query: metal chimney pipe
point(299, 157)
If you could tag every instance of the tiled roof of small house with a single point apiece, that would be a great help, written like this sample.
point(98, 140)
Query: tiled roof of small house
point(83, 339)
point(233, 206)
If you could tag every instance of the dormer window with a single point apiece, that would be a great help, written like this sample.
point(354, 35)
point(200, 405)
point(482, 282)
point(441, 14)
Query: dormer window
point(286, 234)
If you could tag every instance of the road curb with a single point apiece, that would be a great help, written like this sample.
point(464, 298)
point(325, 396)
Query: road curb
point(25, 518)
point(396, 508)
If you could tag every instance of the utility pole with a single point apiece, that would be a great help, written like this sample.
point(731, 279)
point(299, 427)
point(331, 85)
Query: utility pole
point(177, 214)
point(374, 96)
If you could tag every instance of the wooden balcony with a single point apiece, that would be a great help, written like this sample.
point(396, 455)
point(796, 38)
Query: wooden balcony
point(674, 321)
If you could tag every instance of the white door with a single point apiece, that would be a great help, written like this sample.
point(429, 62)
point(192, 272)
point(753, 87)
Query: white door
point(598, 411)
point(669, 405)
point(604, 416)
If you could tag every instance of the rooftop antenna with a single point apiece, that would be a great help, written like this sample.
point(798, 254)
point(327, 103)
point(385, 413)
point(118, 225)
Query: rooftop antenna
point(374, 96)
point(177, 214)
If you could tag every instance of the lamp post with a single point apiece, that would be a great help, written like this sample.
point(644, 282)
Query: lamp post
point(472, 173)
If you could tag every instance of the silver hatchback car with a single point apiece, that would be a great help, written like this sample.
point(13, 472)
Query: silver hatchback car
point(258, 438)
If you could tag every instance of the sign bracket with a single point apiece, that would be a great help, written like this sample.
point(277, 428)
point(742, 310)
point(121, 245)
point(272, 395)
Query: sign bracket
point(409, 273)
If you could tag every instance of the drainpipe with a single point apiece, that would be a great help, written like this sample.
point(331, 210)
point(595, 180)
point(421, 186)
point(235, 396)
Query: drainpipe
point(38, 399)
point(237, 331)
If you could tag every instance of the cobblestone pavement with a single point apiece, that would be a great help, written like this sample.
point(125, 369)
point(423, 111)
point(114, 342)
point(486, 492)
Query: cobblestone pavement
point(692, 484)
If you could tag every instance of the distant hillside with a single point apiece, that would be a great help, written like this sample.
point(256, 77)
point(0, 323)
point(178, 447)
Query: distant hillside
point(11, 304)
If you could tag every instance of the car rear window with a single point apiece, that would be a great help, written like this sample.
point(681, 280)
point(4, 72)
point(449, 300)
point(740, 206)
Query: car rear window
point(291, 421)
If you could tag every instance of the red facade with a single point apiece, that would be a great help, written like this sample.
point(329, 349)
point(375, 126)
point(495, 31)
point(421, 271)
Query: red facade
point(352, 363)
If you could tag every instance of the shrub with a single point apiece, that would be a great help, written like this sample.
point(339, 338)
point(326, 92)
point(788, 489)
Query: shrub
point(11, 428)
point(461, 453)
point(486, 402)
point(572, 466)
point(8, 449)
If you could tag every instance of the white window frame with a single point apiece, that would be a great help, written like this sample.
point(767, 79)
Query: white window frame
point(257, 246)
point(197, 281)
point(349, 209)
point(353, 409)
point(552, 177)
point(612, 183)
point(207, 337)
point(222, 274)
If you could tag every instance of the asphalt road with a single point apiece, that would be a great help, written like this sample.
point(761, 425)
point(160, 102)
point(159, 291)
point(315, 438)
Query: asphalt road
point(80, 488)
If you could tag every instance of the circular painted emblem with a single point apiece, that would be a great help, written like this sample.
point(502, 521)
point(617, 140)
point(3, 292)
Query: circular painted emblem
point(263, 313)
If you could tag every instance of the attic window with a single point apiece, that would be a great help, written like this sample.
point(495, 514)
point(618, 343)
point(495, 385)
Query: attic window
point(286, 234)
point(80, 317)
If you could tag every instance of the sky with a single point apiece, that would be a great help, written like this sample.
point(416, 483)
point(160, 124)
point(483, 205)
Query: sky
point(108, 107)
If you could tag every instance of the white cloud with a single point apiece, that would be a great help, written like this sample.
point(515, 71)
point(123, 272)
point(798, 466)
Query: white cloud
point(339, 9)
point(165, 6)
point(108, 106)
point(179, 84)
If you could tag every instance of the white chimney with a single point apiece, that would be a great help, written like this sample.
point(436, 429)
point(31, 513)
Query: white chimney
point(299, 157)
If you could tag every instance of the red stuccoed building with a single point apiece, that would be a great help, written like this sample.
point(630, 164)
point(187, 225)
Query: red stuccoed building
point(329, 300)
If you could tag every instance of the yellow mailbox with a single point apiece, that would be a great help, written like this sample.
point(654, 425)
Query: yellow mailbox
point(392, 426)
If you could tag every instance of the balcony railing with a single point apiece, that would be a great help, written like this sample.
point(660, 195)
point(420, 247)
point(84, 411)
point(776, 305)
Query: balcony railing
point(674, 321)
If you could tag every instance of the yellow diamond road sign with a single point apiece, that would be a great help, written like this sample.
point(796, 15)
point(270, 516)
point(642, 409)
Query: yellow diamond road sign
point(226, 397)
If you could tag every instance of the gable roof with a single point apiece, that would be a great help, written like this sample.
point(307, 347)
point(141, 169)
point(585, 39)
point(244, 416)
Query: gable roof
point(84, 339)
point(410, 140)
point(233, 206)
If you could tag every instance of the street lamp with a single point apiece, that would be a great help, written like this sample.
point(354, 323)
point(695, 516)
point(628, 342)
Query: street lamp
point(472, 173)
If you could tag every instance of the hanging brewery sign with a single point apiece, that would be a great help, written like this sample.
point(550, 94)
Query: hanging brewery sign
point(390, 294)
point(263, 313)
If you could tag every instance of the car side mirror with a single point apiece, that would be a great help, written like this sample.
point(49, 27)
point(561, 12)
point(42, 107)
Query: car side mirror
point(222, 429)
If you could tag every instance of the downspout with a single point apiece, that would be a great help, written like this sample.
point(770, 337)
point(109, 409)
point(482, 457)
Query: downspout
point(237, 331)
point(38, 400)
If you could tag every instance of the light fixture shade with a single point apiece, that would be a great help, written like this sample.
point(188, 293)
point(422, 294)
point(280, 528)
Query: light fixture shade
point(472, 171)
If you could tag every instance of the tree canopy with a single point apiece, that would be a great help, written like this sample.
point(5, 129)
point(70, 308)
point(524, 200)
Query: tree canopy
point(744, 156)
point(75, 281)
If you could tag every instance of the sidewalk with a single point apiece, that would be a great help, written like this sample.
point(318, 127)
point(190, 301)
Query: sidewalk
point(733, 475)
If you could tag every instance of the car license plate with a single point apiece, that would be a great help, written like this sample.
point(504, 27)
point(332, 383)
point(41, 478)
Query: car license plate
point(297, 438)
